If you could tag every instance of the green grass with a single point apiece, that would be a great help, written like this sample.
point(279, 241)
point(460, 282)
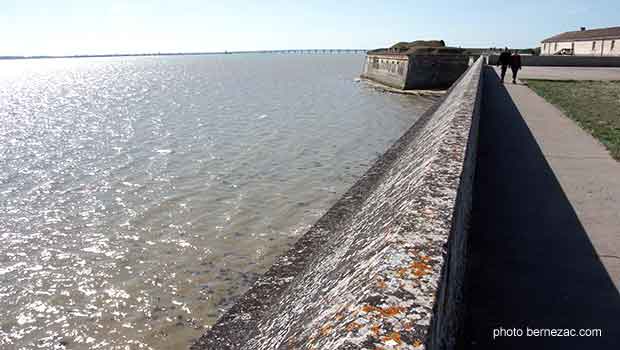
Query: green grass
point(594, 105)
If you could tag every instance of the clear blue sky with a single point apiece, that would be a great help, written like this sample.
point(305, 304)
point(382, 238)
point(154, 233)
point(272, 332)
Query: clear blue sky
point(57, 27)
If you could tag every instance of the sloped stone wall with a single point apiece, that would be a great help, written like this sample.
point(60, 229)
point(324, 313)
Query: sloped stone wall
point(384, 268)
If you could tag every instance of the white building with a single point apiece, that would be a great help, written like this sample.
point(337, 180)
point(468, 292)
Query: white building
point(593, 42)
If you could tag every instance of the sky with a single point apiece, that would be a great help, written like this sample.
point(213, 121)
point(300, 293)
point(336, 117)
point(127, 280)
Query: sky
point(66, 27)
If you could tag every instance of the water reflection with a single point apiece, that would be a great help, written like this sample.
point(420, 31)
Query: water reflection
point(140, 196)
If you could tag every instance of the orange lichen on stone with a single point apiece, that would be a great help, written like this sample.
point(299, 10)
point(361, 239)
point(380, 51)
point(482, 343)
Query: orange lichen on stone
point(325, 330)
point(391, 311)
point(420, 268)
point(402, 272)
point(394, 336)
point(417, 343)
point(375, 329)
point(381, 284)
point(385, 312)
point(425, 258)
point(369, 308)
point(353, 326)
point(408, 326)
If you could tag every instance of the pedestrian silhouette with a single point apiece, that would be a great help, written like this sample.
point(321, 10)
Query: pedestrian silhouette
point(504, 62)
point(515, 65)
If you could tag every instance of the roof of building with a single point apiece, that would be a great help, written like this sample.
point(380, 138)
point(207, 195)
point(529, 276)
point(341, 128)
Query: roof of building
point(419, 47)
point(592, 34)
point(418, 43)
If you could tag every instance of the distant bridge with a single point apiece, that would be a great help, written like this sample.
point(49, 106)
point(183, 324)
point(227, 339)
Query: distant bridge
point(303, 51)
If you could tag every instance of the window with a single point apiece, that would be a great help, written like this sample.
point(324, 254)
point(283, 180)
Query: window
point(593, 45)
point(556, 47)
point(613, 44)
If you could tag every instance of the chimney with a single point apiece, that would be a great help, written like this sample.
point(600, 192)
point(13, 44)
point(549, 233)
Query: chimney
point(582, 29)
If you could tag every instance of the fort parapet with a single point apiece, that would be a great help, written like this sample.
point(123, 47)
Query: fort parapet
point(385, 266)
point(416, 65)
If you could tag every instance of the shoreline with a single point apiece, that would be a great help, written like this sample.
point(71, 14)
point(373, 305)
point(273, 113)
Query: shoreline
point(387, 88)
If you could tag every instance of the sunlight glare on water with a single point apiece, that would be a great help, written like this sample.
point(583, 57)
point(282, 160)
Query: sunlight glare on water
point(140, 196)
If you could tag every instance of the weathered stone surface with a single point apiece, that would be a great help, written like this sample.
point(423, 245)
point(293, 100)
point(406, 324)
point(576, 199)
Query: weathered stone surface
point(384, 268)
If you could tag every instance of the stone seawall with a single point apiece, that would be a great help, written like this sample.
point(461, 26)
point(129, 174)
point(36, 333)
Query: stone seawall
point(415, 72)
point(565, 61)
point(388, 70)
point(435, 72)
point(384, 267)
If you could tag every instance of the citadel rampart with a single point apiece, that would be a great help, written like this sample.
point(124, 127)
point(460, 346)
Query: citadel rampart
point(416, 65)
point(385, 266)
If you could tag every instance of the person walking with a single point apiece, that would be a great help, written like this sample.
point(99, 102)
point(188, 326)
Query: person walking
point(515, 65)
point(504, 62)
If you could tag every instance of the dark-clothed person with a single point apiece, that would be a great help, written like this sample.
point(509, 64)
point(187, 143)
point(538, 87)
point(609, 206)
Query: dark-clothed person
point(515, 65)
point(504, 62)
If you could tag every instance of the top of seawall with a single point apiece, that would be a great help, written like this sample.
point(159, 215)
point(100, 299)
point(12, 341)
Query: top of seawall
point(381, 268)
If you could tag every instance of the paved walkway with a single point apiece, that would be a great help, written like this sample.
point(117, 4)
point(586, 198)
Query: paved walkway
point(587, 173)
point(568, 73)
point(545, 239)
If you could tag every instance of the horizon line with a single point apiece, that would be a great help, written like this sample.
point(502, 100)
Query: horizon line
point(180, 53)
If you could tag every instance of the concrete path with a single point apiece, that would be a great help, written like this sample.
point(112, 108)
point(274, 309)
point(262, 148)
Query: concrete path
point(568, 73)
point(545, 239)
point(587, 173)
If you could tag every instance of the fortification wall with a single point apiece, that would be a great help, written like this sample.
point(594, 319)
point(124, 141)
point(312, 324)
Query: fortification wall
point(435, 72)
point(384, 268)
point(565, 61)
point(416, 71)
point(388, 70)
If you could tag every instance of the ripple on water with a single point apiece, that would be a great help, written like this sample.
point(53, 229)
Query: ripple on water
point(140, 196)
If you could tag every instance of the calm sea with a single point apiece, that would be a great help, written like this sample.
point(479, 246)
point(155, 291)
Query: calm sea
point(140, 196)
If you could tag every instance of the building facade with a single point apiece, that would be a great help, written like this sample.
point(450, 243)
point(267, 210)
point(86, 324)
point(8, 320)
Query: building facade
point(593, 42)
